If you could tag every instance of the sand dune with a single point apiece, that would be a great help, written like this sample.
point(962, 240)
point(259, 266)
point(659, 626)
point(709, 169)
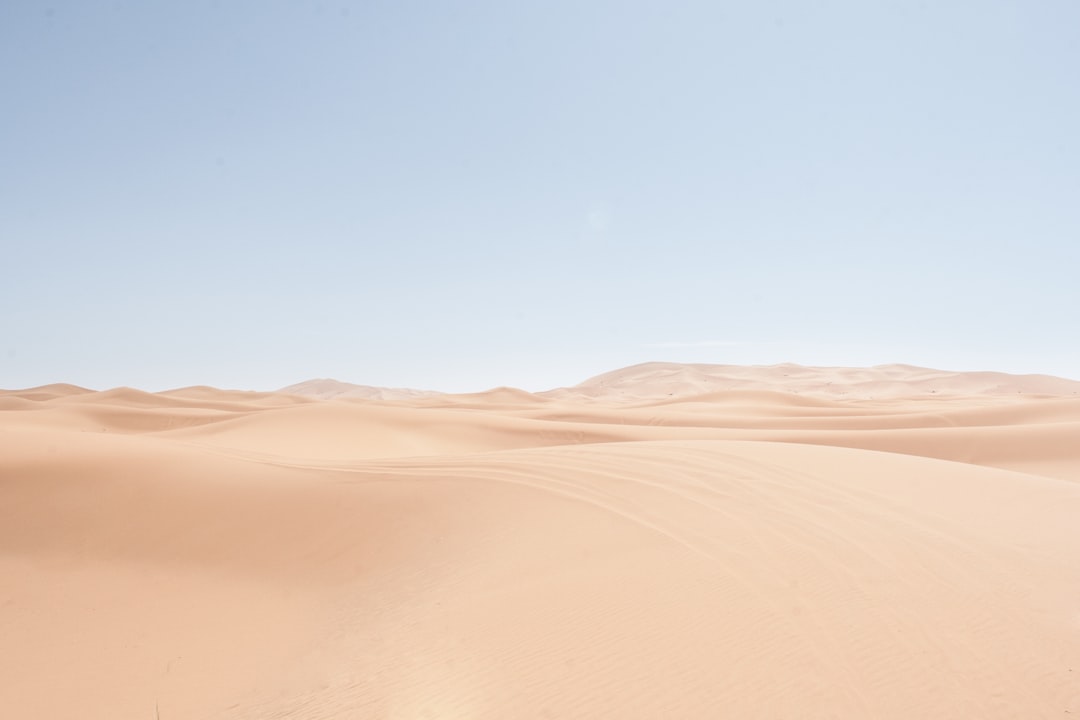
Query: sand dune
point(657, 380)
point(661, 541)
point(327, 389)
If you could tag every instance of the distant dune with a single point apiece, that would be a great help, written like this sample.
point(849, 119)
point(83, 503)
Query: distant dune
point(661, 541)
point(654, 380)
point(327, 389)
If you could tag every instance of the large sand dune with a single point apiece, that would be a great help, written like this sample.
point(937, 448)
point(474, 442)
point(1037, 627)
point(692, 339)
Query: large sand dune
point(664, 541)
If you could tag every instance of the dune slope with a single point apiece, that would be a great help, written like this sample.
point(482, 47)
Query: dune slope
point(699, 553)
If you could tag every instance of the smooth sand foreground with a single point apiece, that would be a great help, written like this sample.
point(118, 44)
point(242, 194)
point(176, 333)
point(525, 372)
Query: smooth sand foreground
point(664, 541)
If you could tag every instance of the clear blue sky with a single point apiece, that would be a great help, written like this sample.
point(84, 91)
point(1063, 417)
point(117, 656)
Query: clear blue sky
point(457, 195)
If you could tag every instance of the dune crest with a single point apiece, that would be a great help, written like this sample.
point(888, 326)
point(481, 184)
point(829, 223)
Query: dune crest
point(664, 540)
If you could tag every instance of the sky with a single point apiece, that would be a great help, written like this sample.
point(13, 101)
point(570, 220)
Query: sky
point(461, 195)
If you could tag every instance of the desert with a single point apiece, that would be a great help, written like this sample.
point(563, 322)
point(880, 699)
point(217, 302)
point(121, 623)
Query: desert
point(533, 360)
point(665, 540)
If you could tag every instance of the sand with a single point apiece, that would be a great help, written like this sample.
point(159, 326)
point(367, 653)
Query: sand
point(664, 541)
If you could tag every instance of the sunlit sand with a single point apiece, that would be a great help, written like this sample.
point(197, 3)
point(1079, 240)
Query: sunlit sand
point(663, 541)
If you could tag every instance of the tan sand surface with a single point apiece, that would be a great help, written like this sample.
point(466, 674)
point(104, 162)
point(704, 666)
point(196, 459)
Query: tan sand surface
point(663, 541)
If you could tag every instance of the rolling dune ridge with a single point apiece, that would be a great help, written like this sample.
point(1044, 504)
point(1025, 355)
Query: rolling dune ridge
point(684, 541)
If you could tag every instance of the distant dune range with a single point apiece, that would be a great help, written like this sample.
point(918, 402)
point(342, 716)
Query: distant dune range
point(683, 541)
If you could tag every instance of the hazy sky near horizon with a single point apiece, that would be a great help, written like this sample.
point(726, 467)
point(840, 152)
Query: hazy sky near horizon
point(461, 195)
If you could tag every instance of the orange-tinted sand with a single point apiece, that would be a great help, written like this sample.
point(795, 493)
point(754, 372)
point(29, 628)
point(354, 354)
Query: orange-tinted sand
point(664, 541)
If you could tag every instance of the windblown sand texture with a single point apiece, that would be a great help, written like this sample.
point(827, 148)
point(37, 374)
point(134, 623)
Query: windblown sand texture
point(664, 541)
